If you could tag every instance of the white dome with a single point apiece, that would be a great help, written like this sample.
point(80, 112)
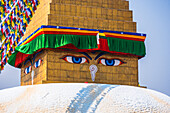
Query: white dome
point(81, 97)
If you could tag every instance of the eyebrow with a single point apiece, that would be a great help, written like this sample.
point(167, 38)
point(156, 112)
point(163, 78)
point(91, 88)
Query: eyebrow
point(36, 55)
point(86, 55)
point(99, 55)
point(27, 61)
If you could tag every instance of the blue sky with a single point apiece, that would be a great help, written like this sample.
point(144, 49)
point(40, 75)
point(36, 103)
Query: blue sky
point(152, 17)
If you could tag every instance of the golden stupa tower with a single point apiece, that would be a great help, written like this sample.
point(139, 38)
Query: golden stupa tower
point(112, 59)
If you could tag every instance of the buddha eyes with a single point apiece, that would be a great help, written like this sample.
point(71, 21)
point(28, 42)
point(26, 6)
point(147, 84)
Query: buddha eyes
point(27, 70)
point(110, 62)
point(75, 60)
point(81, 60)
point(36, 65)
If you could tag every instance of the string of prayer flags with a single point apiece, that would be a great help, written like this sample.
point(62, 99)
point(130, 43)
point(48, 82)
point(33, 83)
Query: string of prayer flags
point(15, 15)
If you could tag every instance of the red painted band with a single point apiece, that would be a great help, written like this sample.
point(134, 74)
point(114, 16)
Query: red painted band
point(59, 32)
point(122, 37)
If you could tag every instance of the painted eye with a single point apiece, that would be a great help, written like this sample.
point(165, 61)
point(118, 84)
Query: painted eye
point(37, 63)
point(27, 70)
point(76, 60)
point(110, 62)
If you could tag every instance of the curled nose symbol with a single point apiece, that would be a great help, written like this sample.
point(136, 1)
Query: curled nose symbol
point(93, 69)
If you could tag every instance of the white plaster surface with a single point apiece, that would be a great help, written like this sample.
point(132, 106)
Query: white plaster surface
point(82, 98)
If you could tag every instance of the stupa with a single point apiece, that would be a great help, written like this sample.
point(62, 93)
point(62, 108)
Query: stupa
point(80, 41)
point(88, 44)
